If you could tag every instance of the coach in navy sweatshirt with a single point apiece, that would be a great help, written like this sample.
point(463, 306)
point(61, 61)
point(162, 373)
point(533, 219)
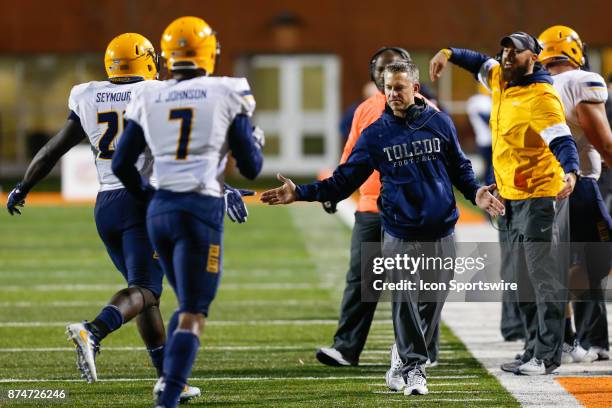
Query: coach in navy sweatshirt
point(416, 151)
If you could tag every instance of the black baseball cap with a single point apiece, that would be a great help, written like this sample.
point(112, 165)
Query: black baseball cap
point(522, 41)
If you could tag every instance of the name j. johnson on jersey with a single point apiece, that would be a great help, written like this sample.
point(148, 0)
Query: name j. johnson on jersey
point(182, 94)
point(414, 152)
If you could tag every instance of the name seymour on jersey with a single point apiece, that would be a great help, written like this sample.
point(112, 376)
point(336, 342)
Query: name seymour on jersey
point(123, 96)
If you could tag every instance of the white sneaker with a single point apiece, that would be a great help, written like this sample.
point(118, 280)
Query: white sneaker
point(331, 357)
point(566, 356)
point(393, 377)
point(602, 354)
point(86, 349)
point(187, 394)
point(532, 367)
point(535, 366)
point(576, 354)
point(158, 388)
point(416, 382)
point(429, 364)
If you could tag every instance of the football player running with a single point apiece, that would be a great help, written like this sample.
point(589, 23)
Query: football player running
point(96, 113)
point(584, 95)
point(190, 123)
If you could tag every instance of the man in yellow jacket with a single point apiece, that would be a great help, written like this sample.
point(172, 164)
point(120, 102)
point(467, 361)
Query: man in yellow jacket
point(535, 163)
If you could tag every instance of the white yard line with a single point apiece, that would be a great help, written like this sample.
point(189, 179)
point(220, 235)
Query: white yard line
point(416, 399)
point(114, 287)
point(452, 384)
point(435, 392)
point(238, 379)
point(210, 323)
point(92, 303)
point(386, 352)
point(137, 348)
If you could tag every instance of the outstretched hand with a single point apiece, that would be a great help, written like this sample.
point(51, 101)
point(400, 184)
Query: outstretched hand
point(284, 194)
point(486, 201)
point(436, 65)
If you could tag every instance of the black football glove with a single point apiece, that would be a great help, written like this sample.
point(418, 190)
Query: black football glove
point(16, 198)
point(329, 207)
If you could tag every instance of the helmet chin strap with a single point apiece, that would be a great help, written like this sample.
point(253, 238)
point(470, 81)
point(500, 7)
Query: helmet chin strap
point(182, 73)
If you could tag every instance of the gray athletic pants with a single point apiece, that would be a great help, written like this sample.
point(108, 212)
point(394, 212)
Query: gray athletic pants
point(512, 326)
point(356, 316)
point(534, 229)
point(415, 319)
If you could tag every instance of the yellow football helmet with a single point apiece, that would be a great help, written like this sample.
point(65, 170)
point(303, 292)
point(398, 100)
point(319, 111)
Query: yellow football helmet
point(561, 43)
point(130, 55)
point(190, 43)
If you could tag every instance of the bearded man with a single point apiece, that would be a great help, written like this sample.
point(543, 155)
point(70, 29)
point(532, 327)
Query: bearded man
point(535, 163)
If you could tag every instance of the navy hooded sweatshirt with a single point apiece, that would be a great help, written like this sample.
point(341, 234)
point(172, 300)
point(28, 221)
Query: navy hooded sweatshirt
point(419, 160)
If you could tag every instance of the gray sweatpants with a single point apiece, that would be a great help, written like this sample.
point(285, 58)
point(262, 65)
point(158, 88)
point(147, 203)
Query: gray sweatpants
point(536, 229)
point(416, 316)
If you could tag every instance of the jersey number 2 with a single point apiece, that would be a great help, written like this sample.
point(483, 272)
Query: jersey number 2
point(105, 144)
point(186, 116)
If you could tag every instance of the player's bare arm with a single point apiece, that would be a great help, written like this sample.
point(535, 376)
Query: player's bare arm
point(71, 134)
point(593, 120)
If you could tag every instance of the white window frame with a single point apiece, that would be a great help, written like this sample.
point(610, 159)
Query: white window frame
point(291, 123)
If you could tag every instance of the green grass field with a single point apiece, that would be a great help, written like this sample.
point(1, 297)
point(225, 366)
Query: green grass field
point(278, 301)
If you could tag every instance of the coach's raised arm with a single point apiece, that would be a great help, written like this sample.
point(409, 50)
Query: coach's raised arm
point(510, 85)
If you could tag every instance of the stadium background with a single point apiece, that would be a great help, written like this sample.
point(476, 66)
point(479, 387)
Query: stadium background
point(284, 269)
point(47, 47)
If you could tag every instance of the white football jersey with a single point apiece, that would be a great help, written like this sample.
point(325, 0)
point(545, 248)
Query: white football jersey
point(479, 110)
point(100, 106)
point(577, 86)
point(185, 124)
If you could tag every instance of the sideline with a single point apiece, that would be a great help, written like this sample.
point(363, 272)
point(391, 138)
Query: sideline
point(483, 340)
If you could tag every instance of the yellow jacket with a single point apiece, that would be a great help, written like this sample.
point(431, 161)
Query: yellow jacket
point(525, 117)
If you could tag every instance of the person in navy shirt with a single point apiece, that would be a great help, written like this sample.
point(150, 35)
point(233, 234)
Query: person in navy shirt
point(416, 150)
